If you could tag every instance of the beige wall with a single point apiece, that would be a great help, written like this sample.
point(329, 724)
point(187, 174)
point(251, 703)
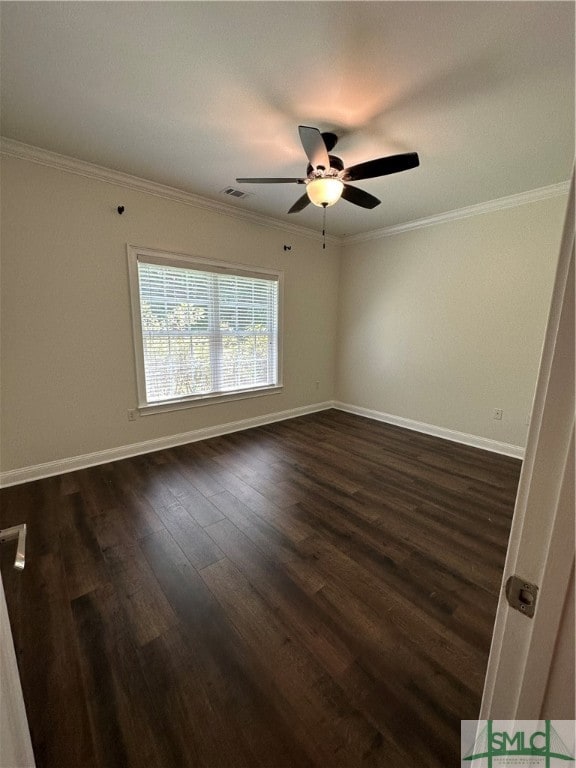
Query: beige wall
point(68, 375)
point(438, 325)
point(443, 324)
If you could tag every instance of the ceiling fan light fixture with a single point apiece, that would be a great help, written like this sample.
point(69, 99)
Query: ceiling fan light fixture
point(324, 192)
point(326, 173)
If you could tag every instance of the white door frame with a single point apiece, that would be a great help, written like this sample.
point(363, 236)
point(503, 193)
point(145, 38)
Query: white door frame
point(541, 545)
point(15, 744)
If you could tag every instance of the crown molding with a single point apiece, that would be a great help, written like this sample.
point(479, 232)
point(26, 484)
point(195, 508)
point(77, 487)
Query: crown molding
point(511, 201)
point(13, 148)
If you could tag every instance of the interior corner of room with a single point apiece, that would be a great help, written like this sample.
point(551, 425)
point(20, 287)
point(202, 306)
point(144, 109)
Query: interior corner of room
point(432, 328)
point(332, 551)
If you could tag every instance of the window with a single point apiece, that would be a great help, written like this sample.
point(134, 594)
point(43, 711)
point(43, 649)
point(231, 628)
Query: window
point(202, 329)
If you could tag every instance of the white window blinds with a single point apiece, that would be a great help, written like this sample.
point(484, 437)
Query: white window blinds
point(206, 330)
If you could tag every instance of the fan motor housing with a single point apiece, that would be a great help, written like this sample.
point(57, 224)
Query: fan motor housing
point(335, 163)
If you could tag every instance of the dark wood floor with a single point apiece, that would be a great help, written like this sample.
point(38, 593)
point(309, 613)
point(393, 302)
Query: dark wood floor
point(318, 592)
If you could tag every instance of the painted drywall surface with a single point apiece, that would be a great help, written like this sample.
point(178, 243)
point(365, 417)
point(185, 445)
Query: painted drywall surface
point(444, 324)
point(68, 376)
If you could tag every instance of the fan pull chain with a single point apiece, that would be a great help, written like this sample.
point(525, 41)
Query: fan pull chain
point(324, 227)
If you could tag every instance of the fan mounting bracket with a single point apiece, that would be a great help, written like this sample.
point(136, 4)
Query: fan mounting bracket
point(336, 167)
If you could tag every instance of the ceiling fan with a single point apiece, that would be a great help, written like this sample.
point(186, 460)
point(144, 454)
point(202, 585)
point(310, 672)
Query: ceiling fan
point(326, 178)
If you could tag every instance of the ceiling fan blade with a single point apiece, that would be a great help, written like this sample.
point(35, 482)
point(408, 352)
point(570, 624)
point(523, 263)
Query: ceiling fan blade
point(382, 166)
point(330, 140)
point(270, 181)
point(301, 203)
point(314, 147)
point(359, 197)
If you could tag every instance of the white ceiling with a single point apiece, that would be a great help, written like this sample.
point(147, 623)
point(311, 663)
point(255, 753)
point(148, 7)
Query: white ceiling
point(194, 94)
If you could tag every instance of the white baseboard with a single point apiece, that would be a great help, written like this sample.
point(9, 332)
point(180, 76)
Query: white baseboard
point(516, 451)
point(61, 466)
point(39, 471)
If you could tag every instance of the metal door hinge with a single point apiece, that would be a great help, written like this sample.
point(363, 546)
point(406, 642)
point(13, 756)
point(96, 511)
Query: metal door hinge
point(521, 595)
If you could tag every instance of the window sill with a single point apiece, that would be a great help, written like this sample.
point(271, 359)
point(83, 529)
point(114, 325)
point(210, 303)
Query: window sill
point(194, 402)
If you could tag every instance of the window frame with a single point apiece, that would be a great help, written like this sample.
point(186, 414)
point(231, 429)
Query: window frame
point(181, 260)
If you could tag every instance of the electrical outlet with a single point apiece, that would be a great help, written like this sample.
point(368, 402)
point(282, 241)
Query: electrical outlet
point(497, 414)
point(131, 414)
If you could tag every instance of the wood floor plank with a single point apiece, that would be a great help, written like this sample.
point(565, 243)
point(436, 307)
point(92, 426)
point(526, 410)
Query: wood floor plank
point(316, 593)
point(255, 720)
point(195, 730)
point(367, 599)
point(284, 597)
point(83, 561)
point(175, 479)
point(270, 538)
point(137, 514)
point(49, 661)
point(147, 611)
point(326, 716)
point(428, 590)
point(96, 492)
point(200, 507)
point(200, 472)
point(123, 715)
point(198, 547)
